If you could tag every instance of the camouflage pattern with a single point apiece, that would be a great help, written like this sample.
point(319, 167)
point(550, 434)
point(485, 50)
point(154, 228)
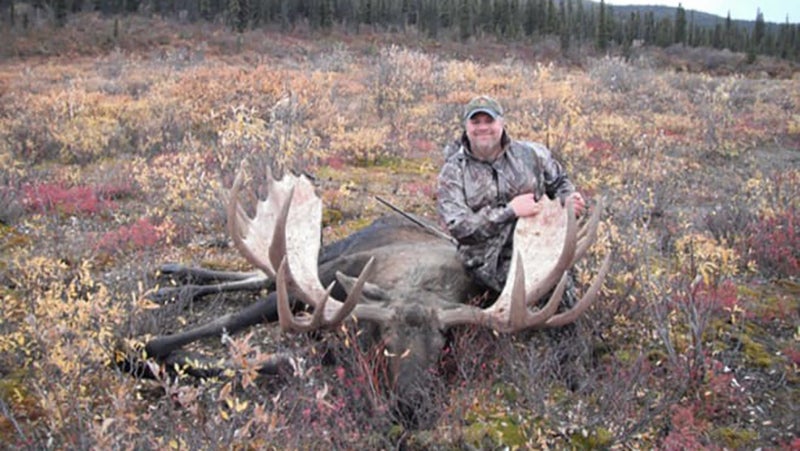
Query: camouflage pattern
point(483, 104)
point(473, 196)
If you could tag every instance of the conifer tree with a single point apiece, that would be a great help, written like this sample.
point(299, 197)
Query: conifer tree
point(551, 18)
point(564, 28)
point(60, 10)
point(464, 20)
point(485, 17)
point(649, 28)
point(680, 25)
point(529, 21)
point(235, 15)
point(729, 32)
point(502, 16)
point(578, 27)
point(759, 32)
point(603, 34)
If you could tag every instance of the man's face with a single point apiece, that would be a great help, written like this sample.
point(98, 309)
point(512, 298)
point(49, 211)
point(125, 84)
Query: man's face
point(484, 133)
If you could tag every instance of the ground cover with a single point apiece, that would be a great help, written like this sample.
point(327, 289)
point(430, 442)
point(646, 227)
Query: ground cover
point(113, 160)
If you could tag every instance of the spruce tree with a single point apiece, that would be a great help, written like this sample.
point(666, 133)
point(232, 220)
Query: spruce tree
point(564, 28)
point(759, 32)
point(464, 20)
point(729, 32)
point(603, 34)
point(680, 25)
point(60, 10)
point(485, 17)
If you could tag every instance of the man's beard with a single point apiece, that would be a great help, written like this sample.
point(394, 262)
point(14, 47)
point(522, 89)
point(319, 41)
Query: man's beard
point(486, 149)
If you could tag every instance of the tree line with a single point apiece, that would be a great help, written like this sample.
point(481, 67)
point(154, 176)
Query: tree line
point(574, 22)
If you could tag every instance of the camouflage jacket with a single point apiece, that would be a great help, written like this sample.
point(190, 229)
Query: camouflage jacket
point(473, 196)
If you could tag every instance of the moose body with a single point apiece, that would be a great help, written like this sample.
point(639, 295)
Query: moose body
point(404, 283)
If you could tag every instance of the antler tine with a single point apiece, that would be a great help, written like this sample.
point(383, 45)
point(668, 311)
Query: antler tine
point(520, 317)
point(588, 233)
point(354, 295)
point(328, 312)
point(586, 301)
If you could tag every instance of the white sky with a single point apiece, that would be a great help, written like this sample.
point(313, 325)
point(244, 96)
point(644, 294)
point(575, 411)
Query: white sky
point(773, 10)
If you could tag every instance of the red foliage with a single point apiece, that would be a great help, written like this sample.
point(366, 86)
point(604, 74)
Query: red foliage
point(711, 298)
point(118, 191)
point(45, 197)
point(793, 354)
point(423, 146)
point(420, 189)
point(142, 234)
point(685, 430)
point(334, 162)
point(598, 145)
point(672, 133)
point(720, 393)
point(774, 243)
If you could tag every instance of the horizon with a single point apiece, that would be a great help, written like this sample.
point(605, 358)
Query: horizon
point(773, 10)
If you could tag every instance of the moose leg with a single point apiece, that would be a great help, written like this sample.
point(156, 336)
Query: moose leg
point(203, 275)
point(257, 282)
point(263, 310)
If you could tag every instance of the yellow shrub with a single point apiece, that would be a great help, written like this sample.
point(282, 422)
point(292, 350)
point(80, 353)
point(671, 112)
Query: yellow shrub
point(711, 259)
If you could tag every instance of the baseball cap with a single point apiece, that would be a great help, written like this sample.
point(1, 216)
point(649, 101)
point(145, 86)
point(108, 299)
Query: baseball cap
point(483, 104)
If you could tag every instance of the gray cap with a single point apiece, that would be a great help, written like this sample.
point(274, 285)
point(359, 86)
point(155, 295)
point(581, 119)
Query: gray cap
point(483, 104)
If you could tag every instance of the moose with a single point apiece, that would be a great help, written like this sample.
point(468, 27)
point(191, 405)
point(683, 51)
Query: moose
point(395, 277)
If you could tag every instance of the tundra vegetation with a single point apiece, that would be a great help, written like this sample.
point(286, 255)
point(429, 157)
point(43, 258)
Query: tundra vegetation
point(113, 161)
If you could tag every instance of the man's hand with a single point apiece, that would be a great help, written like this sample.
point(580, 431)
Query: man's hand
point(525, 205)
point(578, 203)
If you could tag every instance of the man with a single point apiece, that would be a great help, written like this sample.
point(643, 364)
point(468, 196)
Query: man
point(488, 181)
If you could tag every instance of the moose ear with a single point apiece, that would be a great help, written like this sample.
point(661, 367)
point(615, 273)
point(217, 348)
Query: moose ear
point(369, 291)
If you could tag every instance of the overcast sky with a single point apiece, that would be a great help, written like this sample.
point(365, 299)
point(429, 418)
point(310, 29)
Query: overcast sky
point(773, 10)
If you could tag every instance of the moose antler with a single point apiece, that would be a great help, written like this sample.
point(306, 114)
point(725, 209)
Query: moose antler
point(290, 253)
point(545, 247)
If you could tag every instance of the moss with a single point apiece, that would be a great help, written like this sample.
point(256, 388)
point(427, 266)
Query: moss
point(496, 431)
point(11, 238)
point(219, 265)
point(771, 300)
point(11, 387)
point(358, 223)
point(506, 392)
point(491, 424)
point(756, 353)
point(600, 438)
point(14, 393)
point(331, 216)
point(625, 356)
point(734, 438)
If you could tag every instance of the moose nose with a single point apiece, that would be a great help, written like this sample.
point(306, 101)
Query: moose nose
point(415, 316)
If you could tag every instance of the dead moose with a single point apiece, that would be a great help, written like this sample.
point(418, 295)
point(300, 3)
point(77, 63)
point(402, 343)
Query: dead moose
point(395, 277)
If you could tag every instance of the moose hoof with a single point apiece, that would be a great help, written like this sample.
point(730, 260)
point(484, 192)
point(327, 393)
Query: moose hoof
point(167, 294)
